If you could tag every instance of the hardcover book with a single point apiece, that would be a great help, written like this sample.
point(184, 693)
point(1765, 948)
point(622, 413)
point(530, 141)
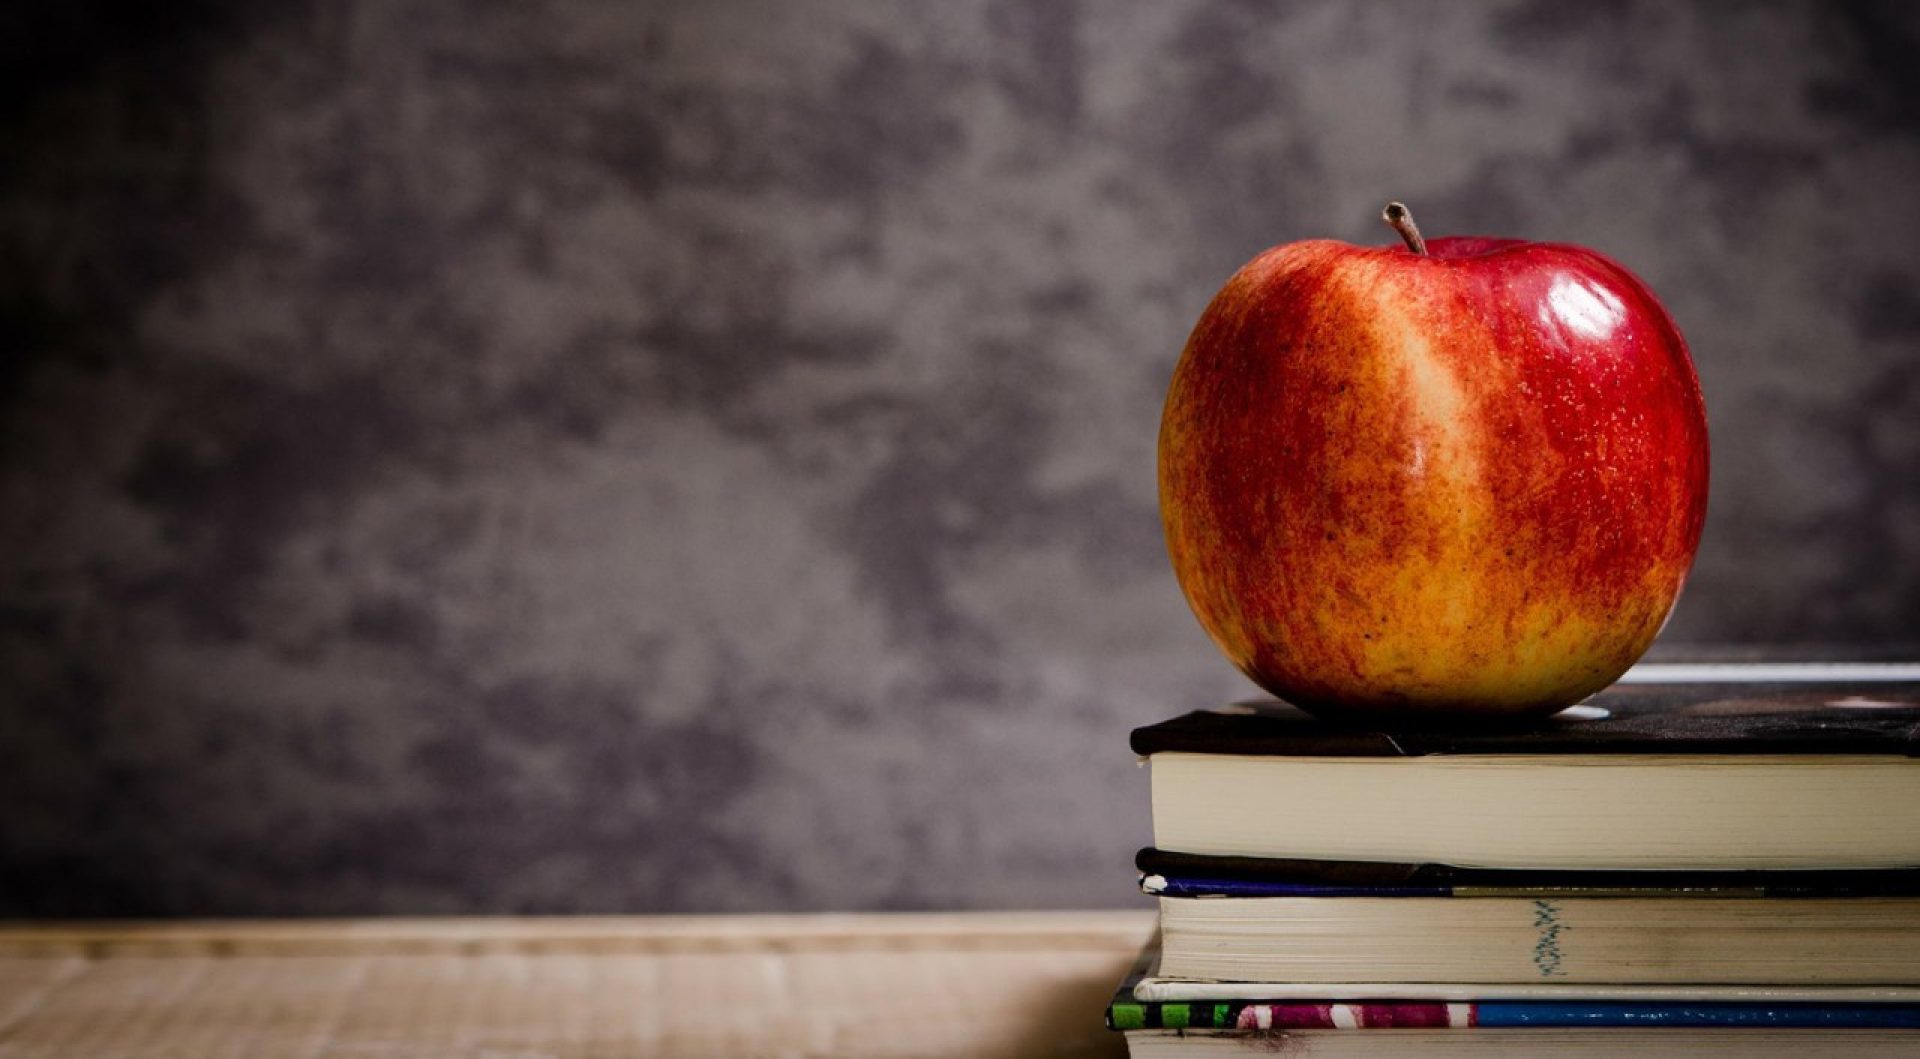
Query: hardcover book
point(1168, 874)
point(1321, 1024)
point(1608, 940)
point(1673, 777)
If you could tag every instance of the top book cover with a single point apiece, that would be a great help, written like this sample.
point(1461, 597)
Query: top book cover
point(1830, 716)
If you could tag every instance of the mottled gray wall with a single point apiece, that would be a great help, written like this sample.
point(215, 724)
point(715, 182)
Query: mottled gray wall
point(547, 456)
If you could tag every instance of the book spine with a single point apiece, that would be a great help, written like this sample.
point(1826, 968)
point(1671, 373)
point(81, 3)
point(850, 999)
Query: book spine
point(1244, 1015)
point(1255, 1016)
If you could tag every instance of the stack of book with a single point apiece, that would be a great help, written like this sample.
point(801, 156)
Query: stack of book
point(1697, 863)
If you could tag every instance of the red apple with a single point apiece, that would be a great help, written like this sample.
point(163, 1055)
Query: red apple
point(1447, 479)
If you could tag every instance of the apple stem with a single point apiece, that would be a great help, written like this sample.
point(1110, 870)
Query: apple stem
point(1401, 219)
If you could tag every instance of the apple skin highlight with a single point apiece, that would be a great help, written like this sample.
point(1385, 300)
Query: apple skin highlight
point(1464, 483)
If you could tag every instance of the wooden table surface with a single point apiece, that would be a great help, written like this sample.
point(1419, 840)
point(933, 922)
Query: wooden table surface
point(975, 984)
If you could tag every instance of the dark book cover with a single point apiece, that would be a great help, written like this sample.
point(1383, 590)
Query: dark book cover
point(1841, 717)
point(1169, 874)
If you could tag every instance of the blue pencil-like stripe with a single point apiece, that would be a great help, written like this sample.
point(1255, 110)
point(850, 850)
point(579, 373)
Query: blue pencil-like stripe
point(1779, 1015)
